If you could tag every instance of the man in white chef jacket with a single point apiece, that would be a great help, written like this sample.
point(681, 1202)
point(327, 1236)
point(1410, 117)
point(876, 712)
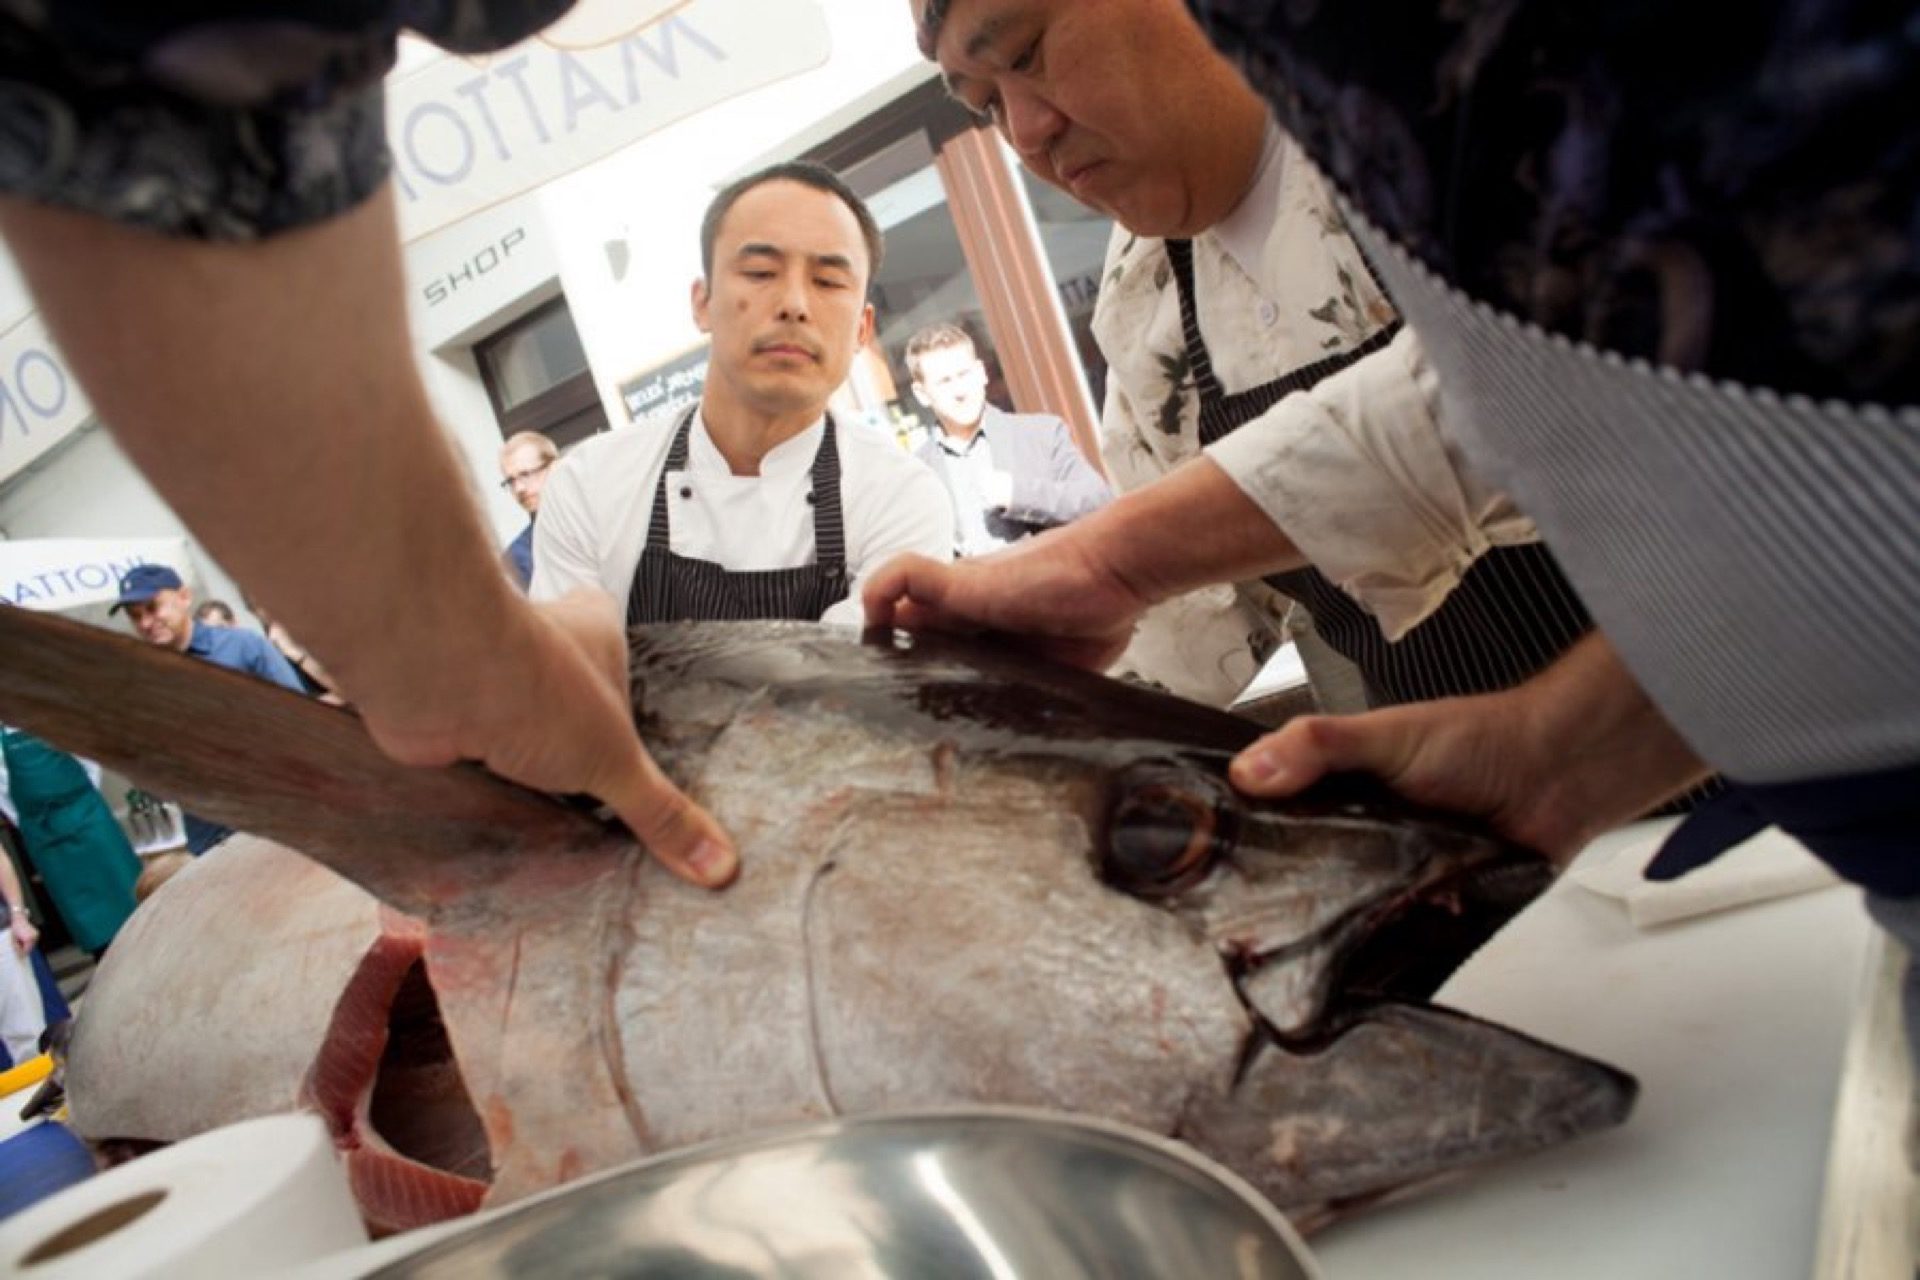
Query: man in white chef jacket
point(754, 503)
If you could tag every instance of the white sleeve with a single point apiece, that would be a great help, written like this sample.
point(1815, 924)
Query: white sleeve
point(909, 511)
point(1359, 474)
point(566, 551)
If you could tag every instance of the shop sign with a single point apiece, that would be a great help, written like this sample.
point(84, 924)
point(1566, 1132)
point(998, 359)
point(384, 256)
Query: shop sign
point(666, 388)
point(475, 268)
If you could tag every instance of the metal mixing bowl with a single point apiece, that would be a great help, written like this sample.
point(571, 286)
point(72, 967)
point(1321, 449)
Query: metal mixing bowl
point(986, 1193)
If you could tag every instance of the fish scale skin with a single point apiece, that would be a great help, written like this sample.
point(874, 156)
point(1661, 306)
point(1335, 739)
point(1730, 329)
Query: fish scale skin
point(526, 1009)
point(1406, 1097)
point(1059, 1017)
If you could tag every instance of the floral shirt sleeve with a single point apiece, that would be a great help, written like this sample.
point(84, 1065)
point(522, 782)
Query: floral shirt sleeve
point(1724, 189)
point(216, 121)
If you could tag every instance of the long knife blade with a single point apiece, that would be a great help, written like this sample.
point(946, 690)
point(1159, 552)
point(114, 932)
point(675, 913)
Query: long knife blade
point(262, 759)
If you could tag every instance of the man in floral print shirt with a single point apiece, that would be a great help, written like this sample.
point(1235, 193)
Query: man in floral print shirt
point(1546, 190)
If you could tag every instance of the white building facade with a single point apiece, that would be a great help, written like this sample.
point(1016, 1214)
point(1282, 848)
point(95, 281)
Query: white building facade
point(550, 202)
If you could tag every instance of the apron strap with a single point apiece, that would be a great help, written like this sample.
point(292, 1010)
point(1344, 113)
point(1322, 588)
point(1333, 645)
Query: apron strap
point(1199, 363)
point(1512, 613)
point(829, 525)
point(659, 528)
point(1220, 413)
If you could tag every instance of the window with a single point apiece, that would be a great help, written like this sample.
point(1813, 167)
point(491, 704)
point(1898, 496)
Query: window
point(536, 374)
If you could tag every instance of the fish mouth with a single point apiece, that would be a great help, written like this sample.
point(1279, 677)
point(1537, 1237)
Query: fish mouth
point(1398, 951)
point(1351, 1088)
point(389, 1088)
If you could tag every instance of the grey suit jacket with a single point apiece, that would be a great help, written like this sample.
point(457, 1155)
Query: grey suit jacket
point(1053, 482)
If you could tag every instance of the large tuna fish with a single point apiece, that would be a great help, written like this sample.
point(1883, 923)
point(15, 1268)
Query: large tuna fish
point(968, 877)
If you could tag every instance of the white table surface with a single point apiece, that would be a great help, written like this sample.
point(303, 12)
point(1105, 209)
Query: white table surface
point(1734, 1024)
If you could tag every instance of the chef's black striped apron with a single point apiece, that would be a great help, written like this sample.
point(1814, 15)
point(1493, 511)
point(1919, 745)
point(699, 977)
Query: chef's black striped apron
point(671, 588)
point(1511, 614)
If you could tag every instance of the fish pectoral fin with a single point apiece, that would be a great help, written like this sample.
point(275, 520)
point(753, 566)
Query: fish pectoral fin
point(1400, 1095)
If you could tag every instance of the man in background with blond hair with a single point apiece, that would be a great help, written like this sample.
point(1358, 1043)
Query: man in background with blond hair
point(1010, 475)
point(525, 459)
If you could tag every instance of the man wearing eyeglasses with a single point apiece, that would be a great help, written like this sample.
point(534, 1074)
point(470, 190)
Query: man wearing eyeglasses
point(525, 460)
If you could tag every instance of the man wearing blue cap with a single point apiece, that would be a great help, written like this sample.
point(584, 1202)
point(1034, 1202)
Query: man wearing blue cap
point(160, 607)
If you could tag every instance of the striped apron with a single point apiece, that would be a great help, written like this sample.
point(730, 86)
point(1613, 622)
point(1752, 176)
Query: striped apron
point(1510, 616)
point(671, 588)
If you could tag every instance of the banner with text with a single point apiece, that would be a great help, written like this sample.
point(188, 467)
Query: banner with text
point(64, 573)
point(40, 403)
point(470, 132)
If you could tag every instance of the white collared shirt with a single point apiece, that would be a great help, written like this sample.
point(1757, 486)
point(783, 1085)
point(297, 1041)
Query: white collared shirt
point(977, 489)
point(597, 503)
point(1243, 233)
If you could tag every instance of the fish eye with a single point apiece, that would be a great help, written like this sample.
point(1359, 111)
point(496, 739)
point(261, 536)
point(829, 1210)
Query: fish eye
point(1165, 828)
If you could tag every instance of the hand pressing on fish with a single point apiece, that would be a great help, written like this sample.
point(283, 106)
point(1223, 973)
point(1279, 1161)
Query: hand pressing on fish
point(555, 716)
point(1075, 593)
point(1551, 763)
point(1050, 594)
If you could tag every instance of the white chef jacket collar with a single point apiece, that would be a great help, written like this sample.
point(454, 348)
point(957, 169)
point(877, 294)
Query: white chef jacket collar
point(786, 458)
point(1244, 232)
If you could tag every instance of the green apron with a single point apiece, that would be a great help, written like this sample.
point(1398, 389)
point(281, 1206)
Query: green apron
point(71, 839)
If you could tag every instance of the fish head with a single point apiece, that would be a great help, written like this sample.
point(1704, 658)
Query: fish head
point(1067, 852)
point(1307, 881)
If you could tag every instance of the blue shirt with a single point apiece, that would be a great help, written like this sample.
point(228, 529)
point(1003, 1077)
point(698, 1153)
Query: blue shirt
point(243, 651)
point(239, 651)
point(519, 555)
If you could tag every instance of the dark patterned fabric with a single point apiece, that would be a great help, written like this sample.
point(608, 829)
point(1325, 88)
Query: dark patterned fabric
point(1729, 189)
point(219, 121)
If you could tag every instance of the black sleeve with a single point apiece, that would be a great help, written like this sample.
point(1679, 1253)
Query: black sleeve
point(213, 119)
